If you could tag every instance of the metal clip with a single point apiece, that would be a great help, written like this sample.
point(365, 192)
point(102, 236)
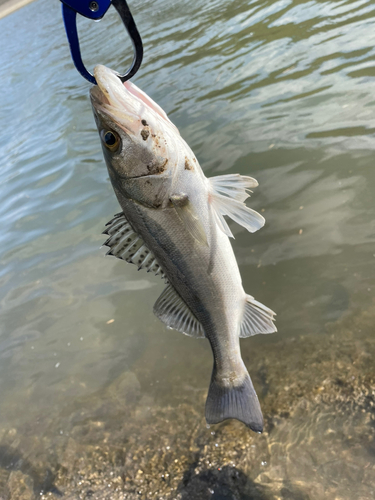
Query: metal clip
point(96, 10)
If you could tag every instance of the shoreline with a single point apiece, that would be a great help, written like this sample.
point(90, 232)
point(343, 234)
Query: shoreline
point(10, 6)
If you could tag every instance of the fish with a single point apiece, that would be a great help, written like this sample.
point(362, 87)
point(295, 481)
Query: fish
point(173, 224)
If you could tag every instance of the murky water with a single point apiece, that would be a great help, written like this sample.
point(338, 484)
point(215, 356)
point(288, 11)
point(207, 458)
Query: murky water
point(98, 399)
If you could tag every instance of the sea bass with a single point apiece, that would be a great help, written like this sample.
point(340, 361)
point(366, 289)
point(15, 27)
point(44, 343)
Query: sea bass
point(173, 224)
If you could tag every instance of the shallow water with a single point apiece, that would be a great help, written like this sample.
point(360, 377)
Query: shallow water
point(99, 399)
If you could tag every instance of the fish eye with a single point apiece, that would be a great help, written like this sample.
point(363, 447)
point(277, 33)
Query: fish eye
point(111, 139)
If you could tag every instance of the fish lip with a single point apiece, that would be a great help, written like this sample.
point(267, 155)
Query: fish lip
point(112, 100)
point(101, 106)
point(97, 96)
point(126, 99)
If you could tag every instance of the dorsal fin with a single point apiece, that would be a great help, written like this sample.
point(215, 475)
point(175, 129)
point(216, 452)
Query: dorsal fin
point(125, 244)
point(227, 196)
point(257, 318)
point(172, 310)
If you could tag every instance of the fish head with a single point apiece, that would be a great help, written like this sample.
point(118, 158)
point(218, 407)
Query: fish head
point(135, 132)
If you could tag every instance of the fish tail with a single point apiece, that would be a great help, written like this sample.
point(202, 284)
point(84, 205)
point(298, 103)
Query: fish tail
point(233, 400)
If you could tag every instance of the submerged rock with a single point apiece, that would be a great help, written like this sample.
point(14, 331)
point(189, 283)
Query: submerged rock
point(21, 486)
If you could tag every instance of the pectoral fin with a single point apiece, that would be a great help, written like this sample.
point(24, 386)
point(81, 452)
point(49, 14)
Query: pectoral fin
point(233, 185)
point(189, 217)
point(172, 310)
point(257, 318)
point(227, 196)
point(125, 244)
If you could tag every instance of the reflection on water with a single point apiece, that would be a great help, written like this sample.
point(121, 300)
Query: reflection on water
point(98, 399)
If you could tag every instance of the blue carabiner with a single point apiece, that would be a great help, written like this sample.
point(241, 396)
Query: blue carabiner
point(96, 10)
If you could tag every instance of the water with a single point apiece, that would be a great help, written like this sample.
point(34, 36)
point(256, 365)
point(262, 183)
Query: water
point(99, 399)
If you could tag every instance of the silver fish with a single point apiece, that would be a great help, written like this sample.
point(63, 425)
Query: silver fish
point(173, 224)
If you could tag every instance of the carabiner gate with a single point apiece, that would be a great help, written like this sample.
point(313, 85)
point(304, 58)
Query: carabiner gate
point(96, 10)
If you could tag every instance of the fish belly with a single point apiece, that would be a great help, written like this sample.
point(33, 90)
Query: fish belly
point(205, 276)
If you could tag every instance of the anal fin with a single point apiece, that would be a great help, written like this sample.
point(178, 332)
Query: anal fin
point(172, 310)
point(257, 318)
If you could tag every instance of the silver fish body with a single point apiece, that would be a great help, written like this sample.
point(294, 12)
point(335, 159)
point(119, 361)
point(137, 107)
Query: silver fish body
point(173, 223)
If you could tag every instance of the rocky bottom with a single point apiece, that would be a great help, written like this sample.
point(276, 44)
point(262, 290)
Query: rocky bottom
point(318, 398)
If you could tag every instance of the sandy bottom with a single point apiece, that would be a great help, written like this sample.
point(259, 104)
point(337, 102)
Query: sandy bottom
point(9, 6)
point(121, 443)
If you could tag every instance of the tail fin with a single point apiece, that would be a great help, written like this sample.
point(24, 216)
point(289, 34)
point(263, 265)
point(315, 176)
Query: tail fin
point(234, 401)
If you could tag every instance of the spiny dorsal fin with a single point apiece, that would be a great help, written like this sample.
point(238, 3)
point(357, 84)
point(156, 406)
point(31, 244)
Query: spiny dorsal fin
point(124, 243)
point(257, 318)
point(172, 310)
point(227, 196)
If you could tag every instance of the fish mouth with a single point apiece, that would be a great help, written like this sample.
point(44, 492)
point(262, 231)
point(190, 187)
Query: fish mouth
point(124, 103)
point(110, 98)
